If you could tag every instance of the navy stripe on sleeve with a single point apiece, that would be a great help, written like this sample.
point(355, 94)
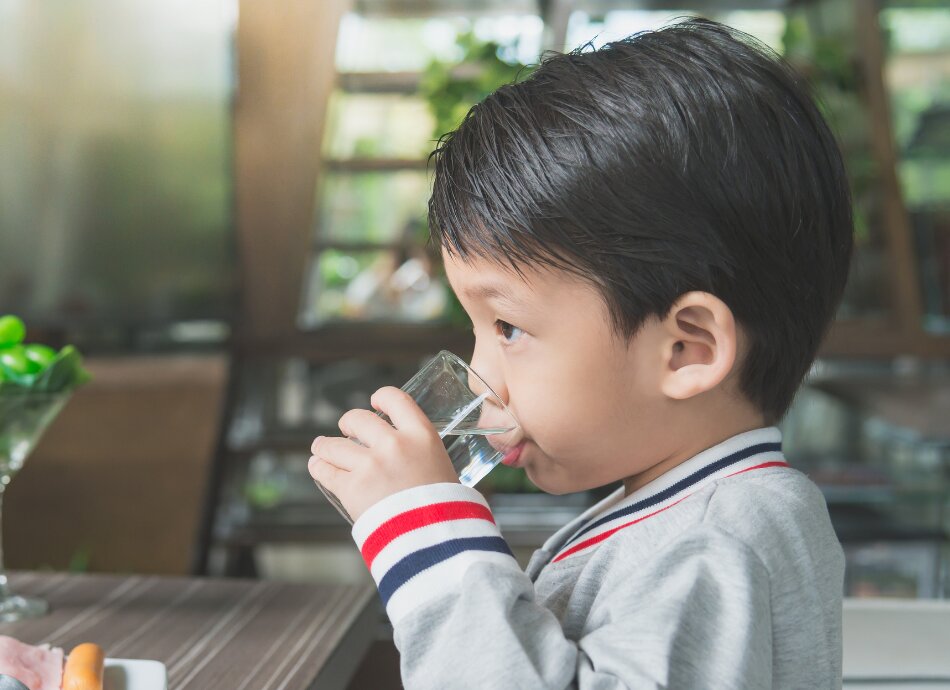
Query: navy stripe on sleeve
point(421, 560)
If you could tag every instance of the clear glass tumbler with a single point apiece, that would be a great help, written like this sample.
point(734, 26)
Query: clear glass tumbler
point(474, 423)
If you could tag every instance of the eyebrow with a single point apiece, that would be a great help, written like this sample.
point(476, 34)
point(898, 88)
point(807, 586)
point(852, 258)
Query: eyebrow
point(488, 292)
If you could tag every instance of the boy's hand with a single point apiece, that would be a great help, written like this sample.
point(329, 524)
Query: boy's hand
point(387, 459)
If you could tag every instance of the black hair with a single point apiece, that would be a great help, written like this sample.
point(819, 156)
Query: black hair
point(688, 158)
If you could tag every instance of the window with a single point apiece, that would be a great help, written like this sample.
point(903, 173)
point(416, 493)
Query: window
point(917, 73)
point(370, 258)
point(586, 23)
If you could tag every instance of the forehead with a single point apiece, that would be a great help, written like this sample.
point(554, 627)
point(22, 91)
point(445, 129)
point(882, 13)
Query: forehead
point(480, 279)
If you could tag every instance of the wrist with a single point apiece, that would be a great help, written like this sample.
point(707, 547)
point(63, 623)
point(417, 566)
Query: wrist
point(418, 542)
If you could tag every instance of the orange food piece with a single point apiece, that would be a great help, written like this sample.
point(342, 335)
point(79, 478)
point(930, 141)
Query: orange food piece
point(84, 667)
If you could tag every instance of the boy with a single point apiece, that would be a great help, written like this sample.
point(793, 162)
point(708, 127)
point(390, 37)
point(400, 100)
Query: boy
point(650, 240)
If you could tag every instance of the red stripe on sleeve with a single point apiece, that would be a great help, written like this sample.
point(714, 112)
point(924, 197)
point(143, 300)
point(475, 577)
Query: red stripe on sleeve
point(420, 517)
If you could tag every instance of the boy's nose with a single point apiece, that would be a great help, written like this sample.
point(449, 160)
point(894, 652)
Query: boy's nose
point(487, 369)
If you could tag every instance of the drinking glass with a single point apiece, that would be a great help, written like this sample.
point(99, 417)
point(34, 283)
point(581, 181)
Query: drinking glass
point(23, 418)
point(475, 425)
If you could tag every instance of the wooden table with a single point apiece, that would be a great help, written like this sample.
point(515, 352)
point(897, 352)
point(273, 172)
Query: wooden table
point(210, 633)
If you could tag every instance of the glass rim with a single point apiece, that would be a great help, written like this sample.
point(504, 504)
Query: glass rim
point(458, 360)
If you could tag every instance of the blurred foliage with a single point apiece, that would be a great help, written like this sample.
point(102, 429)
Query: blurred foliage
point(377, 125)
point(264, 494)
point(451, 88)
point(338, 267)
point(507, 480)
point(373, 207)
point(451, 92)
point(821, 42)
point(79, 561)
point(918, 55)
point(828, 62)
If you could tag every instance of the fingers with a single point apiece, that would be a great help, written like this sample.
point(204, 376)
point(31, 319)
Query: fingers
point(324, 473)
point(339, 452)
point(400, 408)
point(366, 426)
point(391, 456)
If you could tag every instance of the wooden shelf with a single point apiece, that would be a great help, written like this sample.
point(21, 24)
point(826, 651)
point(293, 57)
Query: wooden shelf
point(366, 341)
point(880, 339)
point(364, 165)
point(390, 82)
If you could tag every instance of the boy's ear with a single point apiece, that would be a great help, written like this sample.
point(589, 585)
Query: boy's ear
point(699, 345)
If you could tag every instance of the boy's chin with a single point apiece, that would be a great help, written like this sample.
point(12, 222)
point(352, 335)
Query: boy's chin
point(538, 466)
point(547, 484)
point(558, 485)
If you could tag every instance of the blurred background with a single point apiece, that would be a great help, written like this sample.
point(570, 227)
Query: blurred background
point(222, 204)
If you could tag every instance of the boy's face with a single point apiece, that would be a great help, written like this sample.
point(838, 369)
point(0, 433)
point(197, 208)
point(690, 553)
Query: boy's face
point(589, 404)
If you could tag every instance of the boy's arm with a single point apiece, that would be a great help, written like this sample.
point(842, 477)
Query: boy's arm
point(464, 614)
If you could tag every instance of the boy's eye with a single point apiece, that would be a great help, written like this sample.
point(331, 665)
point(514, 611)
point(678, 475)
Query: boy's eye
point(508, 332)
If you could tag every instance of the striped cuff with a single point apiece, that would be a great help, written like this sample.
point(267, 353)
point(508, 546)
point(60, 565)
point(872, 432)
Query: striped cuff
point(418, 543)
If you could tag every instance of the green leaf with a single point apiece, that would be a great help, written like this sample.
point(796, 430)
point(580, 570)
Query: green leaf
point(64, 372)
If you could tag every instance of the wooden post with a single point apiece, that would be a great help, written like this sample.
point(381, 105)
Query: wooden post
point(903, 332)
point(286, 71)
point(903, 274)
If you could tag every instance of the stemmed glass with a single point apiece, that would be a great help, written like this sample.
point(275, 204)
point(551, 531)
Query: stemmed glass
point(24, 416)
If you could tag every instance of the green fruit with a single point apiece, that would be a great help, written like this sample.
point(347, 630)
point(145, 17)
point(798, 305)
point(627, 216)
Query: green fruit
point(35, 368)
point(40, 355)
point(12, 331)
point(14, 360)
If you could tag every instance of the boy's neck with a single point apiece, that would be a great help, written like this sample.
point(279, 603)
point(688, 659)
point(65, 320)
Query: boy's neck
point(706, 431)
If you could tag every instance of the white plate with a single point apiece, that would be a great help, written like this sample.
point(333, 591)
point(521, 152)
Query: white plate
point(134, 674)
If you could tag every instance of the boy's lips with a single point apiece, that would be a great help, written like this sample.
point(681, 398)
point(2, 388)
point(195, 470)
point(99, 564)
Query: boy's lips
point(513, 455)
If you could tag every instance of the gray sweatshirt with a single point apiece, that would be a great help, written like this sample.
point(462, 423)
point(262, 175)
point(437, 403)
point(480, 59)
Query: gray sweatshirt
point(724, 572)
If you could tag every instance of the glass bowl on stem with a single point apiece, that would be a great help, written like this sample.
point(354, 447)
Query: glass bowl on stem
point(24, 416)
